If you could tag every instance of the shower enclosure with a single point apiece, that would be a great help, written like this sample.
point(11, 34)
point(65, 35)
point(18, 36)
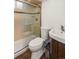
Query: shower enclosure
point(26, 20)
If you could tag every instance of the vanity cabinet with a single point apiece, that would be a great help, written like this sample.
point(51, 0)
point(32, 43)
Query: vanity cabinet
point(25, 55)
point(57, 49)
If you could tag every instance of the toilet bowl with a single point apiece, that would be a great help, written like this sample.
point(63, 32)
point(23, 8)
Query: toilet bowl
point(36, 45)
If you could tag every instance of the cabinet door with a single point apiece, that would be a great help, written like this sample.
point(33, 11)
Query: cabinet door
point(57, 50)
point(61, 51)
point(54, 49)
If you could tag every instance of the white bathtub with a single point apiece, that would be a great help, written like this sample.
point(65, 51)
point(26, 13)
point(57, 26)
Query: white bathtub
point(21, 45)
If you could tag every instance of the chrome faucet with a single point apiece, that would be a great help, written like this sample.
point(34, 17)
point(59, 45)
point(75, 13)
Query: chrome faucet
point(62, 28)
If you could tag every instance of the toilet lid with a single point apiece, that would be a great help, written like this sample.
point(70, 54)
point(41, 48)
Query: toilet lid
point(35, 42)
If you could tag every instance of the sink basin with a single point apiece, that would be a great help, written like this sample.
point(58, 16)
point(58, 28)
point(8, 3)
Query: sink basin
point(57, 35)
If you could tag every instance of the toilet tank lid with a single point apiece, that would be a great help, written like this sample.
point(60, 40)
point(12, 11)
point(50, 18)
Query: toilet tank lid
point(36, 41)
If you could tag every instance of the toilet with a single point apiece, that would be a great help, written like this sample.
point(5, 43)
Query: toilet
point(36, 45)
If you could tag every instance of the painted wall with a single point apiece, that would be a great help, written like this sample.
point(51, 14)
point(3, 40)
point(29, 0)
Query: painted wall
point(53, 14)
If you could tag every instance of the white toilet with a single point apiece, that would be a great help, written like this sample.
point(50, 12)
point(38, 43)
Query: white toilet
point(36, 45)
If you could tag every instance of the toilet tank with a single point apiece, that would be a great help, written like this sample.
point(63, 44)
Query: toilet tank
point(45, 32)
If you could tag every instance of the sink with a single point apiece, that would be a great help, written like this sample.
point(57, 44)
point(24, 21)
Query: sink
point(57, 35)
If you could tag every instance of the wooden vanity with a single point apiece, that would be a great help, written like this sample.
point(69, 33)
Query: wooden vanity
point(57, 49)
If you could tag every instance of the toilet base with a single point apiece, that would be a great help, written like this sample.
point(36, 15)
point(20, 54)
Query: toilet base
point(37, 54)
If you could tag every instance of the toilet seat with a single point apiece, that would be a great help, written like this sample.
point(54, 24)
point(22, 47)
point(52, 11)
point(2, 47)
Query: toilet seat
point(35, 42)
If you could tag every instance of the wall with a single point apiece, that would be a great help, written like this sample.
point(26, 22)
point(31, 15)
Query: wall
point(53, 13)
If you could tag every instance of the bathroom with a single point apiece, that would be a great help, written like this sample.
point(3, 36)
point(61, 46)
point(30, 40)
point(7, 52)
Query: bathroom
point(39, 29)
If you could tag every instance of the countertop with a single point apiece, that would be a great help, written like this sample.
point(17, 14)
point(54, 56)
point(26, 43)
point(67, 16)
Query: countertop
point(57, 35)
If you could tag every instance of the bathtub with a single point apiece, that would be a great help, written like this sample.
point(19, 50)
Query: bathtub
point(21, 45)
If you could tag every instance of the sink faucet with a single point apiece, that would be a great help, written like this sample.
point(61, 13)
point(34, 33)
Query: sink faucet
point(62, 28)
